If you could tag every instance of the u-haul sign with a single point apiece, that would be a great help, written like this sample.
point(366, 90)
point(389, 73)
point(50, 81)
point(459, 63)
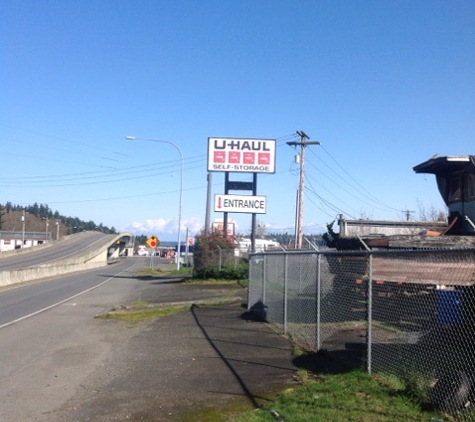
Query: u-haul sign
point(241, 155)
point(250, 204)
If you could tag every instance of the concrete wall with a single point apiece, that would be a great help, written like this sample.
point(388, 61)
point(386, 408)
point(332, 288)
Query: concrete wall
point(87, 260)
point(8, 278)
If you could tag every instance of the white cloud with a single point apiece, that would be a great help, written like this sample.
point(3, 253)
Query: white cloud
point(165, 229)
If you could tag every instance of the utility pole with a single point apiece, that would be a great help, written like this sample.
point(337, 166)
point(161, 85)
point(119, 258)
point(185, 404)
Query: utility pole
point(23, 230)
point(303, 143)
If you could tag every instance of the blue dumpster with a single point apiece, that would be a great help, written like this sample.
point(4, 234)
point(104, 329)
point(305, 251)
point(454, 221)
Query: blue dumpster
point(449, 308)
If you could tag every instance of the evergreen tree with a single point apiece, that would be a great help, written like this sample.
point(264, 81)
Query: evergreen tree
point(2, 213)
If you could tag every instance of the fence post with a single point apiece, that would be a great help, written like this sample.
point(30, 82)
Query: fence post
point(251, 282)
point(370, 311)
point(319, 286)
point(219, 258)
point(285, 293)
point(264, 276)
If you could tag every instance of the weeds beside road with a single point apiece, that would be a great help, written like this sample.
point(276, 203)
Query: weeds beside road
point(353, 396)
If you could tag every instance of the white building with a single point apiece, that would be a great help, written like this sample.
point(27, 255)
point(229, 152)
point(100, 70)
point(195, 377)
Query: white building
point(10, 240)
point(261, 245)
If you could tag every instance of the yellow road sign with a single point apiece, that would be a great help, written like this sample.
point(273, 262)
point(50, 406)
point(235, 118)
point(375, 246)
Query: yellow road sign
point(153, 241)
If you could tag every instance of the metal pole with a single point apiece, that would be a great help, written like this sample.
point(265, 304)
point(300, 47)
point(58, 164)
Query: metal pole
point(286, 288)
point(219, 258)
point(253, 228)
point(370, 311)
point(181, 187)
point(208, 203)
point(225, 214)
point(319, 300)
point(264, 276)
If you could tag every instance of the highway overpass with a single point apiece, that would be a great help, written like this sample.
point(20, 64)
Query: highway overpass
point(78, 252)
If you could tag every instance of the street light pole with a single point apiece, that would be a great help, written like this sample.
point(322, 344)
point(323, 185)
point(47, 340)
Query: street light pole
point(133, 138)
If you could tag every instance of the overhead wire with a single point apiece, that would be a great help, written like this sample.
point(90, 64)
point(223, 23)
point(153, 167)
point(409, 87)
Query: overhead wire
point(58, 138)
point(150, 169)
point(344, 189)
point(127, 196)
point(324, 201)
point(360, 188)
point(97, 182)
point(100, 174)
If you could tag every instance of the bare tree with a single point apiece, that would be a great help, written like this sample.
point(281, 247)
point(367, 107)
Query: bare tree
point(432, 213)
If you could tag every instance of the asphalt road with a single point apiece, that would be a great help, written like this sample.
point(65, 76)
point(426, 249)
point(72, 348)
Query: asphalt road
point(64, 365)
point(53, 251)
point(34, 297)
point(46, 356)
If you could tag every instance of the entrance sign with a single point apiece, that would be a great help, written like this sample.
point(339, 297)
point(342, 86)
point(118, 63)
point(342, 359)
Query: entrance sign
point(251, 204)
point(241, 155)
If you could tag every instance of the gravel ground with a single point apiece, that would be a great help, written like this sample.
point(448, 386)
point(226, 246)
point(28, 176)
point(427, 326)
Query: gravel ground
point(179, 367)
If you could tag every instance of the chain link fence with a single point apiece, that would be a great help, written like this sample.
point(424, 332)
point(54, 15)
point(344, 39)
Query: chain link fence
point(405, 315)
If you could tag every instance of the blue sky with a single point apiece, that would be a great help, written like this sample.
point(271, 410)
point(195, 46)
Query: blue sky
point(383, 85)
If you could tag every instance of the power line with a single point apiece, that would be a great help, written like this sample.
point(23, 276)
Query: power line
point(96, 182)
point(332, 206)
point(63, 140)
point(368, 194)
point(96, 175)
point(124, 197)
point(349, 192)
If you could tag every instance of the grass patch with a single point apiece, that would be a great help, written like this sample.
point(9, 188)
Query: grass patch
point(150, 272)
point(353, 396)
point(160, 272)
point(142, 313)
point(141, 310)
point(213, 281)
point(147, 272)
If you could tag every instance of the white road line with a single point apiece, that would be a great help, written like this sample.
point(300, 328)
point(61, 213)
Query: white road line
point(64, 300)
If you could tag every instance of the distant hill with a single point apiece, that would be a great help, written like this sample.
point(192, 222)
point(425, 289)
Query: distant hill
point(12, 222)
point(37, 215)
